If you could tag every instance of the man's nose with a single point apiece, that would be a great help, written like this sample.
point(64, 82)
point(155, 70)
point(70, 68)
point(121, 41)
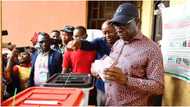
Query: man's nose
point(64, 38)
point(107, 34)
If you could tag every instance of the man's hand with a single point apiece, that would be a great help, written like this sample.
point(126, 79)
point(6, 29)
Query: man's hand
point(116, 74)
point(93, 72)
point(14, 53)
point(74, 45)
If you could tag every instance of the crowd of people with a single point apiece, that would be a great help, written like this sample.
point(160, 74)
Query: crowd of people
point(135, 77)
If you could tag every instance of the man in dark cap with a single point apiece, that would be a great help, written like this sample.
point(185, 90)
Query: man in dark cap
point(137, 73)
point(66, 35)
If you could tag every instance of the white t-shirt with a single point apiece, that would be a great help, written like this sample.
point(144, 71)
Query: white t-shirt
point(41, 69)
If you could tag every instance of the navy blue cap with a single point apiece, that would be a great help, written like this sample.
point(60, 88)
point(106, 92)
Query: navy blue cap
point(68, 29)
point(124, 13)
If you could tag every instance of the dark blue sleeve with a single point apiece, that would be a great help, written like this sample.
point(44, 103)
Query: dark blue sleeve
point(60, 61)
point(93, 45)
point(86, 45)
point(55, 62)
point(31, 78)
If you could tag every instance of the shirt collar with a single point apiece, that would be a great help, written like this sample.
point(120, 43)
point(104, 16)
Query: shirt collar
point(139, 36)
point(44, 54)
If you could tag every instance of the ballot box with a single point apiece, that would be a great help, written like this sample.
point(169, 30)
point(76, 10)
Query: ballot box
point(82, 81)
point(46, 96)
point(70, 80)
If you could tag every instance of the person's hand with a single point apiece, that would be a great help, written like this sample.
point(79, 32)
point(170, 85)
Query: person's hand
point(14, 55)
point(11, 46)
point(93, 72)
point(116, 74)
point(74, 45)
point(95, 75)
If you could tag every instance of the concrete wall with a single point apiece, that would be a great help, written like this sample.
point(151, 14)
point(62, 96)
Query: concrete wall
point(23, 18)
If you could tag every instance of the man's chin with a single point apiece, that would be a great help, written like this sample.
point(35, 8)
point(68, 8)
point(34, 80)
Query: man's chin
point(109, 40)
point(124, 38)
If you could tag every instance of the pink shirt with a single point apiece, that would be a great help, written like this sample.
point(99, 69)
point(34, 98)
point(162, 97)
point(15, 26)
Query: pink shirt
point(141, 60)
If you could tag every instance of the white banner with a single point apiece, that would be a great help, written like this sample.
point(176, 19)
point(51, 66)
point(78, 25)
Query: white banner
point(176, 40)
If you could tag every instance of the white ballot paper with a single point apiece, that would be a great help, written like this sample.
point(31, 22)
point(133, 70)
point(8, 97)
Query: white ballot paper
point(100, 65)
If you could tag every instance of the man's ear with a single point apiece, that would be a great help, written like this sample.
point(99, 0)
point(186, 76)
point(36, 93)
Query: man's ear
point(138, 22)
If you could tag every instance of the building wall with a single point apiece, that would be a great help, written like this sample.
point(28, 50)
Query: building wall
point(147, 17)
point(23, 18)
point(0, 57)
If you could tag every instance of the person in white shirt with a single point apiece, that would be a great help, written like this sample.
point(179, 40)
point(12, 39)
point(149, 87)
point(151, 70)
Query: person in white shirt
point(46, 62)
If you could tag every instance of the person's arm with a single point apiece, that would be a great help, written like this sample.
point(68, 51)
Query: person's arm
point(86, 45)
point(81, 44)
point(16, 79)
point(154, 83)
point(10, 64)
point(31, 78)
point(15, 70)
point(60, 60)
point(66, 62)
